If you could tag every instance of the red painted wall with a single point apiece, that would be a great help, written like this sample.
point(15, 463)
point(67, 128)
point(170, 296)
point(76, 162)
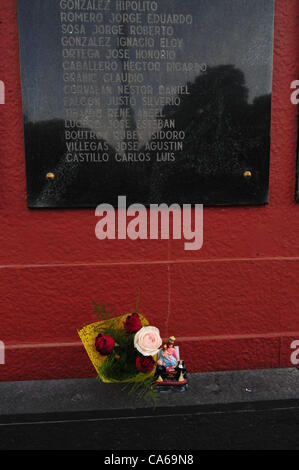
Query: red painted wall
point(233, 304)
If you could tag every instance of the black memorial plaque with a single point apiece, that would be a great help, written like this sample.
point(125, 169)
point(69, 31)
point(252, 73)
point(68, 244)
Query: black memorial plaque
point(161, 101)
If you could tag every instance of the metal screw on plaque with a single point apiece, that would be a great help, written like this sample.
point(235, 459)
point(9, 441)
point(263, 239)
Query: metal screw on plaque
point(50, 176)
point(247, 174)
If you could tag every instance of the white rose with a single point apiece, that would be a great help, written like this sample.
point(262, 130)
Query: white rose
point(148, 341)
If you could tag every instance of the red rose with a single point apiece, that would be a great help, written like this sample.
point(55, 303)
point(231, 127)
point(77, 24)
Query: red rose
point(104, 344)
point(132, 323)
point(145, 364)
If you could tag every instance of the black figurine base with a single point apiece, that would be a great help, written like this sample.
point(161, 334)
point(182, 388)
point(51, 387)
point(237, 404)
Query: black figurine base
point(171, 379)
point(167, 388)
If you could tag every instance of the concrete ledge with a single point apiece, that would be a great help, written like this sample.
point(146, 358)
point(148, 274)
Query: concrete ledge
point(222, 410)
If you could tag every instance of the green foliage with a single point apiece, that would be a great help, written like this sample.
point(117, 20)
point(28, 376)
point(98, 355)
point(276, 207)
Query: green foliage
point(101, 312)
point(144, 388)
point(120, 366)
point(137, 303)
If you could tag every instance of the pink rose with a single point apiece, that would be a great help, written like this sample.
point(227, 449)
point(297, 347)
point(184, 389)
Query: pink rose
point(148, 341)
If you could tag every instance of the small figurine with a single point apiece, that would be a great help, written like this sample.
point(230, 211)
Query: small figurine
point(168, 357)
point(171, 372)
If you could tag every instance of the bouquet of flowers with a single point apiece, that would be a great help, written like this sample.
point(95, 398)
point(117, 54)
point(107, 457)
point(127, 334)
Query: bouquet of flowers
point(123, 349)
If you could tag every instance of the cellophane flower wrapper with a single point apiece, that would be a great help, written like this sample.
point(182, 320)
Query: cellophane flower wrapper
point(127, 369)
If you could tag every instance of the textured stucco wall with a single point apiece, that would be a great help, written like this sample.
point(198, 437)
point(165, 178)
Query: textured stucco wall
point(233, 304)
